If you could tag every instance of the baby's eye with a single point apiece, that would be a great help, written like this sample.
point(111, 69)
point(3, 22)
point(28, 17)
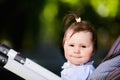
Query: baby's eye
point(71, 45)
point(83, 46)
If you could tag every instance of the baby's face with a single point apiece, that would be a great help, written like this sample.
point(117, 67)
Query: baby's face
point(79, 47)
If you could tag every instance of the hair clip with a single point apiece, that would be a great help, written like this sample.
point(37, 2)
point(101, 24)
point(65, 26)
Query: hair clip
point(78, 19)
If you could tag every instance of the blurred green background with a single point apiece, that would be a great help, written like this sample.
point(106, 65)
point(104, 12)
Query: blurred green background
point(35, 28)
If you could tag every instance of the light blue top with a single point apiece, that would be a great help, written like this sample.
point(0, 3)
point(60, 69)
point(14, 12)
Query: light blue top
point(72, 72)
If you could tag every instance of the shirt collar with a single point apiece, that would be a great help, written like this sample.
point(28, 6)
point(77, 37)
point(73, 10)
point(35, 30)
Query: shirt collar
point(69, 65)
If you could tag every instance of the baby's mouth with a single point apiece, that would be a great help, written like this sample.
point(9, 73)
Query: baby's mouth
point(75, 56)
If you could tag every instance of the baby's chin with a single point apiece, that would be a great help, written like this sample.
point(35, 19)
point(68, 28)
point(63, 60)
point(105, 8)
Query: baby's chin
point(77, 63)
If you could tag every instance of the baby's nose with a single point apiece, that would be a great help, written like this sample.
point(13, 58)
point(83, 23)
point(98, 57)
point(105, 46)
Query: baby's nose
point(77, 50)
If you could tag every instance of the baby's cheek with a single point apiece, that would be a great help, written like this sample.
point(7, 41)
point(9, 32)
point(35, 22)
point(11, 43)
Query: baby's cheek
point(88, 58)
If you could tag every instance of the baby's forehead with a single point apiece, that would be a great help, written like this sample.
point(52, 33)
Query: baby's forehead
point(84, 36)
point(70, 33)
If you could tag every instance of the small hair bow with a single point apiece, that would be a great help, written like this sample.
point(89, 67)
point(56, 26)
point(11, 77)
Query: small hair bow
point(78, 19)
